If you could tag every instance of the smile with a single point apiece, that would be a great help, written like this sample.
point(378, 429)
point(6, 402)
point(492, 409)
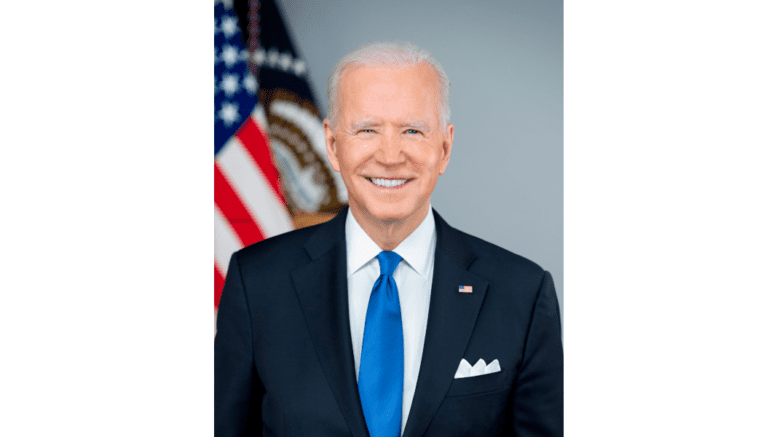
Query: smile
point(387, 183)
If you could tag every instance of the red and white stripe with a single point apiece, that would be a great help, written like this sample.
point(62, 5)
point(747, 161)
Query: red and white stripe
point(249, 204)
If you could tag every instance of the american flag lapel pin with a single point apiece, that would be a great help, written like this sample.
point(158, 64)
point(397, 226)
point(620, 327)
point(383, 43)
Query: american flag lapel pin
point(465, 289)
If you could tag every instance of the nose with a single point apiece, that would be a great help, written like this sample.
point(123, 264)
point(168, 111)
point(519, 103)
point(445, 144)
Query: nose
point(390, 150)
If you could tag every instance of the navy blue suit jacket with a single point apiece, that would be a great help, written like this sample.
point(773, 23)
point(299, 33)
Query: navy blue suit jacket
point(283, 352)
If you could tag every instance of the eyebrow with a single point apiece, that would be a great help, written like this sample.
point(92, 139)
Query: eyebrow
point(420, 125)
point(361, 124)
point(368, 123)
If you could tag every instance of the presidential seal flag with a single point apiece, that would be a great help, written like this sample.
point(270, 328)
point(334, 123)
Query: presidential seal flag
point(294, 123)
point(249, 200)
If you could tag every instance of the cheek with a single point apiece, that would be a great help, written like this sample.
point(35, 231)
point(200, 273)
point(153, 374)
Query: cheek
point(350, 161)
point(431, 165)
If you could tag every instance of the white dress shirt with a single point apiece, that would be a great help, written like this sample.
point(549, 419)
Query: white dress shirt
point(413, 276)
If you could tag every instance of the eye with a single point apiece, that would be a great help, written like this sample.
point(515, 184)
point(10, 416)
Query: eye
point(369, 131)
point(413, 131)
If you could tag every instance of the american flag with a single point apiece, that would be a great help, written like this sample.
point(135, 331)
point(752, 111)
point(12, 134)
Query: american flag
point(465, 289)
point(249, 201)
point(258, 140)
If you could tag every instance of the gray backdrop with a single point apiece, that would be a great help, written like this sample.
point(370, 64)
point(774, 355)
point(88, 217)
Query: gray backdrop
point(504, 59)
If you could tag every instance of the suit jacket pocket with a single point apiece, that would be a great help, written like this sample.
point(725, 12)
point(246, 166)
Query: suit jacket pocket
point(478, 384)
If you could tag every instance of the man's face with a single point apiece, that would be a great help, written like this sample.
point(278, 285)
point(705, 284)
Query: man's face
point(389, 146)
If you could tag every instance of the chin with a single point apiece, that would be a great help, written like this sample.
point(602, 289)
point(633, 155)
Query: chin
point(391, 213)
point(388, 215)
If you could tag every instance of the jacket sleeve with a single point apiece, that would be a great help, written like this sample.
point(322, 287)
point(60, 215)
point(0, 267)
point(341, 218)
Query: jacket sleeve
point(238, 390)
point(538, 402)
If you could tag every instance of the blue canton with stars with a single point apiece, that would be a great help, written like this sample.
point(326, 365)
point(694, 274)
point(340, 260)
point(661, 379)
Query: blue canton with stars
point(235, 86)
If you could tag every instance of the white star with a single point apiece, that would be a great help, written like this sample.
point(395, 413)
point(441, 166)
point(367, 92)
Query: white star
point(272, 57)
point(244, 54)
point(299, 67)
point(230, 55)
point(228, 113)
point(250, 83)
point(285, 62)
point(258, 56)
point(229, 83)
point(229, 26)
point(215, 26)
point(227, 3)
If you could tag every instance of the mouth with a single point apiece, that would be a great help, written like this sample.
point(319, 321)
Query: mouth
point(388, 183)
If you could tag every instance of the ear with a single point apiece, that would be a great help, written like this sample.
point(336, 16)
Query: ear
point(447, 145)
point(331, 147)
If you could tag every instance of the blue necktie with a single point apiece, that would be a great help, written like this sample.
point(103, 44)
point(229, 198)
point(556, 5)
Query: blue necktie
point(382, 361)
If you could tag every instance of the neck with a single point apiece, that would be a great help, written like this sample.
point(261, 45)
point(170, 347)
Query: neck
point(388, 234)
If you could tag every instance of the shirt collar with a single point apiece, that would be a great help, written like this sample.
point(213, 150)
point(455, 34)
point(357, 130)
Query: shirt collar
point(417, 249)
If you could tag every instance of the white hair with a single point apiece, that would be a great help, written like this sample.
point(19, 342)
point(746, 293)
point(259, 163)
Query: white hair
point(391, 54)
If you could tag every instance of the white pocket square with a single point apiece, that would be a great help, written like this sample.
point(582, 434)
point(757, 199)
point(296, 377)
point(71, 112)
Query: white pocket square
point(480, 368)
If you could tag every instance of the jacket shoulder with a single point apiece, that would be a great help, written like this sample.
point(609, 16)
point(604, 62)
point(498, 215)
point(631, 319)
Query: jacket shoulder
point(284, 249)
point(493, 260)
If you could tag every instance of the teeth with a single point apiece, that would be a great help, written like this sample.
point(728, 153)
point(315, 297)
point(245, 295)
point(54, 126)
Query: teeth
point(388, 183)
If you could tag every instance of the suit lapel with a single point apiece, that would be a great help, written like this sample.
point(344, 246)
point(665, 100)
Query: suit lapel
point(452, 317)
point(322, 288)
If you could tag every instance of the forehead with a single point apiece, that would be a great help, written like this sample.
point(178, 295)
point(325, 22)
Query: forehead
point(412, 88)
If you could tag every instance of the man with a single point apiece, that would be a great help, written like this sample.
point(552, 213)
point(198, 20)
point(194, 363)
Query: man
point(385, 321)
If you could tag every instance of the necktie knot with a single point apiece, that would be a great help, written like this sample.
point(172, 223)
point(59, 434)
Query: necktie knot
point(388, 262)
